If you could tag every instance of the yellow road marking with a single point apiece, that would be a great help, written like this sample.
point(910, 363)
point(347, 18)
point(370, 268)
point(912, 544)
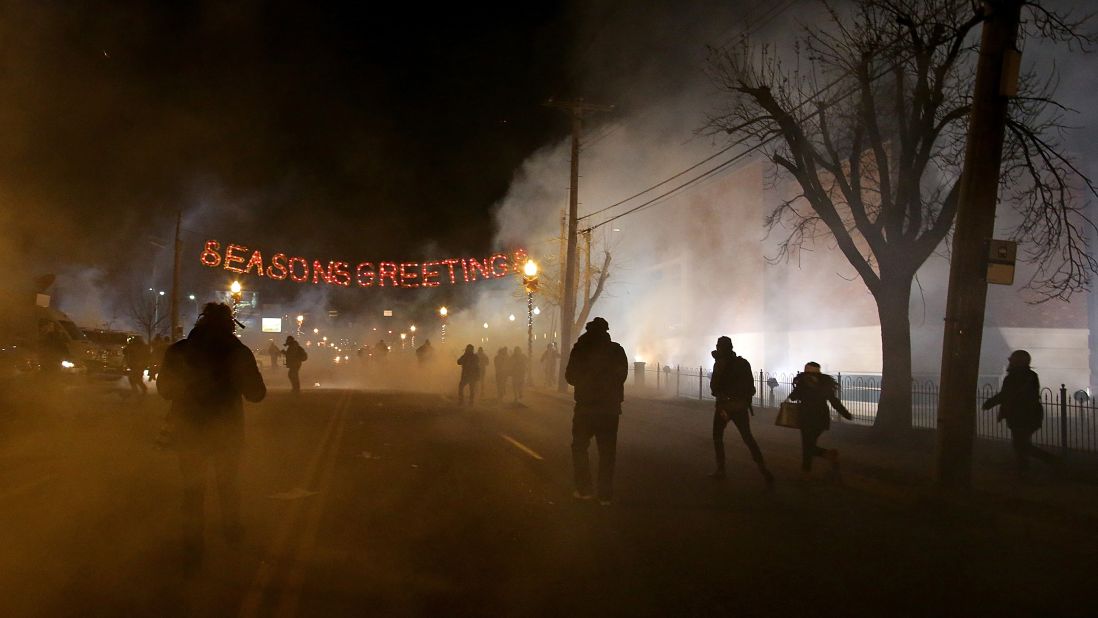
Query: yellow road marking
point(522, 447)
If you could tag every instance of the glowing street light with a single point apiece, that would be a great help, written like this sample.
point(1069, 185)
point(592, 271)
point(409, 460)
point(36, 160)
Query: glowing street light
point(403, 336)
point(443, 312)
point(316, 331)
point(413, 329)
point(530, 284)
point(511, 317)
point(537, 310)
point(300, 319)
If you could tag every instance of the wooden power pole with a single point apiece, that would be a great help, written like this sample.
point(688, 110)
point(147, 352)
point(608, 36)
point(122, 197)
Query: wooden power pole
point(975, 225)
point(577, 111)
point(177, 328)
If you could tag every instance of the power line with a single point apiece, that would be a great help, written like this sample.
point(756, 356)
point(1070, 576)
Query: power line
point(735, 158)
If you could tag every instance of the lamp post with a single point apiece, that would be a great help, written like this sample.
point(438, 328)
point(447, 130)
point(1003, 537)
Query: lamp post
point(300, 319)
point(530, 283)
point(236, 292)
point(403, 337)
point(413, 329)
point(156, 309)
point(443, 312)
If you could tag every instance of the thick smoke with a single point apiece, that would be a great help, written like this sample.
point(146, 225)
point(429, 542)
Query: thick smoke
point(694, 266)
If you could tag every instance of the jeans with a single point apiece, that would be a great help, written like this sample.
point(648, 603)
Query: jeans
point(1024, 448)
point(742, 420)
point(604, 428)
point(809, 448)
point(472, 390)
point(193, 462)
point(295, 381)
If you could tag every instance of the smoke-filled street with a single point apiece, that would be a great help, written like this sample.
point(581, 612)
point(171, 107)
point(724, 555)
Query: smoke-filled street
point(396, 503)
point(553, 308)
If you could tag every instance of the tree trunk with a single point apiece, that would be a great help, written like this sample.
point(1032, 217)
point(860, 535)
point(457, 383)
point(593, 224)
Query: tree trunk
point(893, 307)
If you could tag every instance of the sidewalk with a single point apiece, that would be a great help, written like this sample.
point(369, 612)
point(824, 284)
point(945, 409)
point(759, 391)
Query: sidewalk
point(901, 475)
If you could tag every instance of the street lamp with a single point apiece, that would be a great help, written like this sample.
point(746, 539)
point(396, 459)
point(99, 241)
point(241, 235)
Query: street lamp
point(443, 312)
point(236, 293)
point(403, 336)
point(530, 283)
point(413, 329)
point(300, 319)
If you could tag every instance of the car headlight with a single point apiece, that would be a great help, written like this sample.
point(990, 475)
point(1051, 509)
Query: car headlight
point(67, 365)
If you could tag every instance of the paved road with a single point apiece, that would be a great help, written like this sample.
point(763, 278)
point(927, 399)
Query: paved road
point(402, 504)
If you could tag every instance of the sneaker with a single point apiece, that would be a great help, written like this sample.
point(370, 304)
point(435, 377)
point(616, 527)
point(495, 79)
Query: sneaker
point(579, 495)
point(717, 475)
point(605, 502)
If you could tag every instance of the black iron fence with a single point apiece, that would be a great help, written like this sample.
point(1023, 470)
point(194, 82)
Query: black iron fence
point(1071, 419)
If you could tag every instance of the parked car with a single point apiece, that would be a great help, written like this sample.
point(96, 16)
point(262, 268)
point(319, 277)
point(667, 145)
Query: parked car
point(107, 345)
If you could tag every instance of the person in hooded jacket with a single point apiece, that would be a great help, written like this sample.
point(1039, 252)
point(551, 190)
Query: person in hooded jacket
point(1019, 402)
point(503, 367)
point(483, 361)
point(205, 376)
point(470, 374)
point(136, 354)
point(597, 368)
point(517, 371)
point(295, 356)
point(814, 390)
point(733, 386)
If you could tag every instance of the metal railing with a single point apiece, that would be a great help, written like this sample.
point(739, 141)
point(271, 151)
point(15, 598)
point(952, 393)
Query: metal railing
point(1071, 422)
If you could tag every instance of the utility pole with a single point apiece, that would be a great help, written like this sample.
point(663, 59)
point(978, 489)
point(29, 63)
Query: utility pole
point(577, 111)
point(177, 329)
point(967, 297)
point(586, 265)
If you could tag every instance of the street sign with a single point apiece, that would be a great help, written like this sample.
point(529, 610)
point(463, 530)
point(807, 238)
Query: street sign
point(1001, 256)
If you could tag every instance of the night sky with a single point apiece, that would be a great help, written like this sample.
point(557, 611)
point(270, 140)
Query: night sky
point(335, 132)
point(339, 127)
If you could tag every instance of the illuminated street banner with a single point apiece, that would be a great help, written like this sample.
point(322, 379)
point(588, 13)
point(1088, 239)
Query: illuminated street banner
point(239, 259)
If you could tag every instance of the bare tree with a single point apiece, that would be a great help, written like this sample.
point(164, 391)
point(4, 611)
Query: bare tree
point(868, 115)
point(147, 314)
point(592, 279)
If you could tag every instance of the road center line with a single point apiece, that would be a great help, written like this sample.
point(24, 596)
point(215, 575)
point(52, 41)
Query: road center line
point(250, 607)
point(522, 447)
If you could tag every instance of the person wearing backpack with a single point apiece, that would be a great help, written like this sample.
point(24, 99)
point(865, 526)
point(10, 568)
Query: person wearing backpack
point(204, 377)
point(295, 355)
point(733, 386)
point(597, 368)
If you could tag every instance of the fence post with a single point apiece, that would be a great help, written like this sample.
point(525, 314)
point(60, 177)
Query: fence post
point(840, 379)
point(760, 389)
point(1063, 418)
point(678, 378)
point(657, 377)
point(699, 383)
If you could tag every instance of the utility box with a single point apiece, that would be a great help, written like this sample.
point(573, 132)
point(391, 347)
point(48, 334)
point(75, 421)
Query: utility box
point(1001, 256)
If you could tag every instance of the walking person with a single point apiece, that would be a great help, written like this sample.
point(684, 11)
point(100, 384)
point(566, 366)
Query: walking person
point(204, 376)
point(470, 374)
point(273, 352)
point(597, 368)
point(518, 372)
point(814, 390)
point(295, 356)
point(1019, 402)
point(503, 366)
point(482, 363)
point(136, 354)
point(549, 359)
point(158, 348)
point(733, 386)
